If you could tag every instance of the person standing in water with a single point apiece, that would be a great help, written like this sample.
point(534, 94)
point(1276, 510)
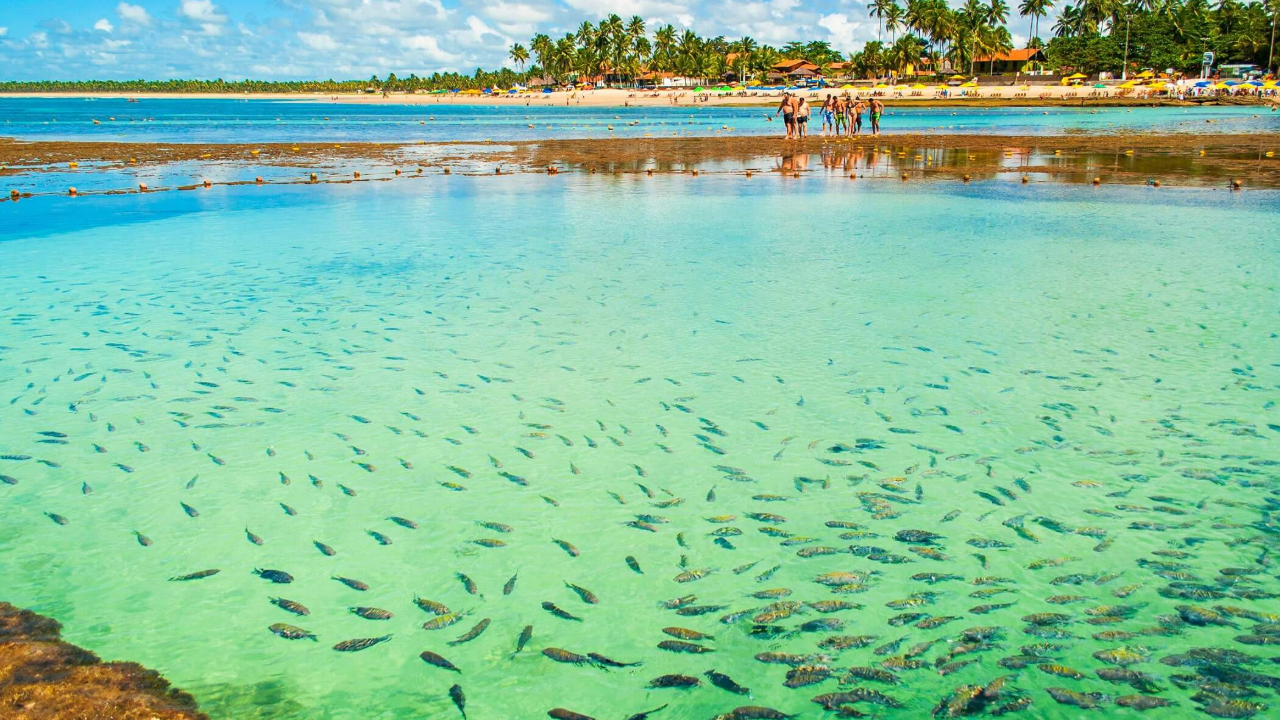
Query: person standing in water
point(828, 115)
point(856, 111)
point(787, 109)
point(877, 109)
point(802, 119)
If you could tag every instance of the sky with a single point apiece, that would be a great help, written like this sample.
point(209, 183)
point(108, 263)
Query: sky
point(353, 39)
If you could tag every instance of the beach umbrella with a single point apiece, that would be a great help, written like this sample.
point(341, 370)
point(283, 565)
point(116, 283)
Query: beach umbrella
point(917, 86)
point(847, 86)
point(1145, 74)
point(699, 89)
point(881, 86)
point(970, 84)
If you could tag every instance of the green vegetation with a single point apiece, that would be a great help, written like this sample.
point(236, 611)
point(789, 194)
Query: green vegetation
point(1089, 36)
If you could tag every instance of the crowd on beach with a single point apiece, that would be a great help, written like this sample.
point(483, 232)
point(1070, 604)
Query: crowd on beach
point(841, 115)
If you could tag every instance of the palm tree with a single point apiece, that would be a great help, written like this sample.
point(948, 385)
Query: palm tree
point(519, 55)
point(877, 9)
point(1068, 22)
point(893, 20)
point(1036, 9)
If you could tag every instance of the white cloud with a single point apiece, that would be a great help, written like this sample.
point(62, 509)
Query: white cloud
point(428, 48)
point(318, 41)
point(40, 39)
point(478, 34)
point(133, 13)
point(4, 31)
point(201, 11)
point(104, 25)
point(516, 13)
point(843, 32)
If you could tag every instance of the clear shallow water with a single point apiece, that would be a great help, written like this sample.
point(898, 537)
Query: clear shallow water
point(957, 339)
point(202, 120)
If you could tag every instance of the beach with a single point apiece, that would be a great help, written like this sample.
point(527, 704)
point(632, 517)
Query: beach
point(1006, 95)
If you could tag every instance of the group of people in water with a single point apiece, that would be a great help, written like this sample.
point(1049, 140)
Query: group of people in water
point(841, 115)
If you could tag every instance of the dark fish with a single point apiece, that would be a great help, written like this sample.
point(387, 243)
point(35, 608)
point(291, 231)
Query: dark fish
point(564, 656)
point(471, 634)
point(586, 595)
point(290, 632)
point(567, 547)
point(551, 608)
point(252, 538)
point(459, 699)
point(290, 606)
point(603, 661)
point(563, 714)
point(324, 549)
point(646, 713)
point(433, 659)
point(525, 635)
point(371, 613)
point(57, 518)
point(353, 584)
point(402, 522)
point(681, 646)
point(143, 540)
point(359, 644)
point(724, 682)
point(468, 584)
point(674, 681)
point(510, 585)
point(195, 575)
point(276, 576)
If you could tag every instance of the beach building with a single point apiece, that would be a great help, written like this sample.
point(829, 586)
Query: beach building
point(1022, 60)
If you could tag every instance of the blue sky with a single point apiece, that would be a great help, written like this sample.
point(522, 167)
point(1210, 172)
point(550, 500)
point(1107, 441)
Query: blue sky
point(345, 39)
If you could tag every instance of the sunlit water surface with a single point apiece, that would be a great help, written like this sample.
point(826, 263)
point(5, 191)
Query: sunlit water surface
point(1075, 388)
point(227, 120)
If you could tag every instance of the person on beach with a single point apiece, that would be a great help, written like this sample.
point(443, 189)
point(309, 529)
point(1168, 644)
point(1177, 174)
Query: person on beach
point(858, 109)
point(802, 119)
point(877, 109)
point(828, 115)
point(787, 109)
point(841, 112)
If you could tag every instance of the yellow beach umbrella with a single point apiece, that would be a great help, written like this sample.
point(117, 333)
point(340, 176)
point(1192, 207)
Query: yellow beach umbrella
point(1145, 74)
point(970, 84)
point(917, 86)
point(1222, 86)
point(847, 86)
point(881, 86)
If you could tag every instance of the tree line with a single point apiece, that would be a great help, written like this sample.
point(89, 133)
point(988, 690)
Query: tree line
point(918, 37)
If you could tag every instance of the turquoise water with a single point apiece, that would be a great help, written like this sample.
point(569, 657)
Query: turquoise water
point(1066, 384)
point(202, 120)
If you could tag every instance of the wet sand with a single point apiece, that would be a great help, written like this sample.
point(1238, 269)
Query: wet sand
point(1208, 159)
point(44, 678)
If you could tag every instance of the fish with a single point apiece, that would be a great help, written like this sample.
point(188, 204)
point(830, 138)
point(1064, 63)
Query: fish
point(290, 632)
point(198, 575)
point(276, 576)
point(459, 700)
point(433, 659)
point(726, 683)
point(471, 634)
point(359, 644)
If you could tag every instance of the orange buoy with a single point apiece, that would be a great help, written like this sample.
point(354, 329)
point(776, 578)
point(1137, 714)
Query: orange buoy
point(357, 174)
point(208, 184)
point(649, 172)
point(71, 191)
point(1236, 184)
point(1025, 179)
point(397, 171)
point(497, 170)
point(13, 194)
point(142, 187)
point(313, 177)
point(695, 173)
point(1097, 181)
point(966, 177)
point(447, 171)
point(853, 176)
point(904, 176)
point(258, 180)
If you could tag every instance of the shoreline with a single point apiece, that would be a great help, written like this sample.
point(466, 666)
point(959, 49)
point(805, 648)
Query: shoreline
point(983, 96)
point(42, 676)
